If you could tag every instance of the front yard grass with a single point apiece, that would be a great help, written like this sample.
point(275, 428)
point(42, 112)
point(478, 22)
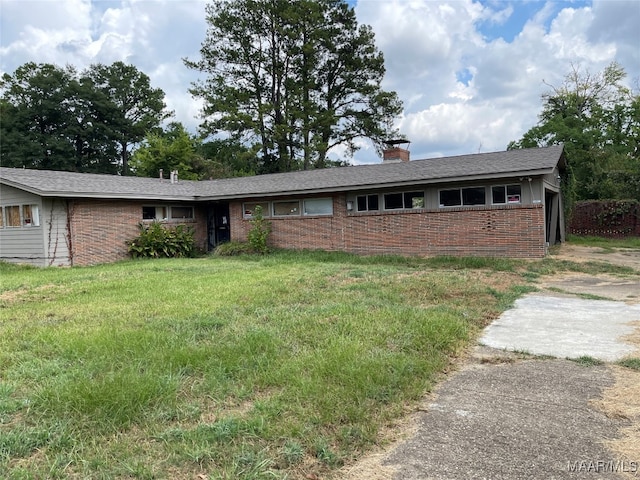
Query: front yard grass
point(280, 366)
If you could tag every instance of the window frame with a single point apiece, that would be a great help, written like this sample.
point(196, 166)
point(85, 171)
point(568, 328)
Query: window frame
point(317, 199)
point(461, 196)
point(505, 190)
point(266, 209)
point(178, 219)
point(405, 196)
point(164, 213)
point(294, 213)
point(367, 202)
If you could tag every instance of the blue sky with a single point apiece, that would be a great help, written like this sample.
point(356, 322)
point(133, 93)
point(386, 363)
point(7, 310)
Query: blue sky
point(470, 73)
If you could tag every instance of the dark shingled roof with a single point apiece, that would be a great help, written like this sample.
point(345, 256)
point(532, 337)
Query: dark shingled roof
point(512, 163)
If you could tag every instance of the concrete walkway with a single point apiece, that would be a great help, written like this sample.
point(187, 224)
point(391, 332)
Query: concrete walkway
point(530, 419)
point(565, 327)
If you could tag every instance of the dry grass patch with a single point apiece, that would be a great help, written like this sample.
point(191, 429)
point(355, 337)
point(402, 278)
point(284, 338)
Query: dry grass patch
point(622, 400)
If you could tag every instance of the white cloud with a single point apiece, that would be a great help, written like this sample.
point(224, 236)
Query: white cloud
point(463, 89)
point(427, 45)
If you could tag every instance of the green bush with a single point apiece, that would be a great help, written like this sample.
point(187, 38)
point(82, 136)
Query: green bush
point(156, 240)
point(259, 233)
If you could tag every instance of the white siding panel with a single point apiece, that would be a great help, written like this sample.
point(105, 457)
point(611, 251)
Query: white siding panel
point(56, 238)
point(21, 244)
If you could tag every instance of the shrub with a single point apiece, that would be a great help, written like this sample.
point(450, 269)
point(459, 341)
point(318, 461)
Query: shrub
point(156, 240)
point(259, 233)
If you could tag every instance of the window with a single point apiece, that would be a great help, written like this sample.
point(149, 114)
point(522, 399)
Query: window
point(473, 196)
point(463, 196)
point(318, 206)
point(393, 201)
point(162, 213)
point(414, 200)
point(20, 216)
point(13, 216)
point(181, 213)
point(154, 213)
point(281, 209)
point(30, 216)
point(501, 194)
point(450, 198)
point(367, 203)
point(249, 208)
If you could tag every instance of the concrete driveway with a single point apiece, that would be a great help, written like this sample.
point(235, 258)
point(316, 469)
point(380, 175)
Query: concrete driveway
point(508, 413)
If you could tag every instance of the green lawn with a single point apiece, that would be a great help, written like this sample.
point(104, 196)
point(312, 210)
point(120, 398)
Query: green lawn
point(232, 368)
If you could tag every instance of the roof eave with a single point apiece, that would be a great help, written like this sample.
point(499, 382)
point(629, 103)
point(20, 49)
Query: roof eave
point(369, 186)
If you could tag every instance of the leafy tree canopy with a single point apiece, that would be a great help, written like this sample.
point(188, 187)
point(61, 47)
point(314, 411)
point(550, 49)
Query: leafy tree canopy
point(175, 149)
point(56, 118)
point(598, 120)
point(293, 79)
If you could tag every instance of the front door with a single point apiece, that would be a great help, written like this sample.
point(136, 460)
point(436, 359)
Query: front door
point(219, 230)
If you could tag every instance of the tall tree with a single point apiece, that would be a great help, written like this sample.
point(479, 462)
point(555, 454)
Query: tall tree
point(55, 118)
point(598, 120)
point(139, 108)
point(294, 78)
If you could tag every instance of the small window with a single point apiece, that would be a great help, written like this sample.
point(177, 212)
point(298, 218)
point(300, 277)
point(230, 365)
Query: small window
point(282, 209)
point(393, 201)
point(318, 206)
point(154, 213)
point(501, 194)
point(249, 208)
point(30, 216)
point(513, 193)
point(367, 203)
point(473, 196)
point(181, 213)
point(450, 198)
point(414, 200)
point(13, 216)
point(1, 217)
point(406, 200)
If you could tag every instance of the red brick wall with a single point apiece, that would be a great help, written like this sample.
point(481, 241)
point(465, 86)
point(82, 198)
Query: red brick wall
point(606, 218)
point(500, 231)
point(99, 229)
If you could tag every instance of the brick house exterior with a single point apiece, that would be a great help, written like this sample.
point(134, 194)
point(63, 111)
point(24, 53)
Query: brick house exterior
point(502, 204)
point(468, 231)
point(98, 229)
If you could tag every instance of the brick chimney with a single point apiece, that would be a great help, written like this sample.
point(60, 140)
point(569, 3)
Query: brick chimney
point(392, 153)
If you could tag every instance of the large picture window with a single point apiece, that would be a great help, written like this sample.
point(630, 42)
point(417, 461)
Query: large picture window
point(318, 206)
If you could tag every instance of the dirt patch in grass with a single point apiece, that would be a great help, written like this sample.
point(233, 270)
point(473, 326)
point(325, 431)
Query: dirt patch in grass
point(13, 296)
point(622, 400)
point(624, 257)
